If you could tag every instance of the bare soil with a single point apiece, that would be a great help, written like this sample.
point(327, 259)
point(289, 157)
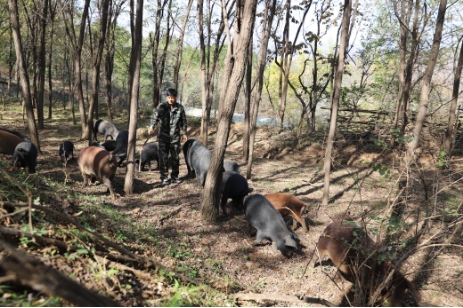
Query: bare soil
point(164, 223)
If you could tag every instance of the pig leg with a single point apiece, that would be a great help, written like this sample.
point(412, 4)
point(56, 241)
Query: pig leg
point(85, 179)
point(302, 222)
point(259, 237)
point(108, 183)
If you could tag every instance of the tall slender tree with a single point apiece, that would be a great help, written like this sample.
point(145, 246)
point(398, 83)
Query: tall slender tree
point(134, 70)
point(77, 44)
point(235, 63)
point(426, 85)
point(96, 65)
point(336, 95)
point(268, 15)
point(22, 71)
point(452, 125)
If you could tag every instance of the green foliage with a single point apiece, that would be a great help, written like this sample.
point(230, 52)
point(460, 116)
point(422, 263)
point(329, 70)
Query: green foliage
point(383, 170)
point(442, 160)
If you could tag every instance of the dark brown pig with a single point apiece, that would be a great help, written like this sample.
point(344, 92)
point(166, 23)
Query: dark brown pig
point(95, 162)
point(355, 254)
point(288, 205)
point(8, 142)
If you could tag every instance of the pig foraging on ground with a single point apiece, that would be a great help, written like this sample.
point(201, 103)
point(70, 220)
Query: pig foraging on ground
point(66, 150)
point(352, 251)
point(25, 155)
point(288, 205)
point(105, 128)
point(95, 162)
point(234, 186)
point(261, 214)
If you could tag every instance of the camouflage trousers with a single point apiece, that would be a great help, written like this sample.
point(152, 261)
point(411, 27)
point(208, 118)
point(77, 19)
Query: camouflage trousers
point(164, 149)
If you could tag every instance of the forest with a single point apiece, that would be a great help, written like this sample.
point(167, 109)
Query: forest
point(349, 196)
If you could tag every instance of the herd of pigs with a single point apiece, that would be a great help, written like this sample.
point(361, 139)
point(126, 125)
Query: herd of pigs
point(343, 242)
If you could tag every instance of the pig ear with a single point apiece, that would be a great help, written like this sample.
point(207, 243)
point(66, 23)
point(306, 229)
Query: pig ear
point(289, 241)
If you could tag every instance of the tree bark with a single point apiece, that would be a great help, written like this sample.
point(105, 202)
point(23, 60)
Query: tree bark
point(425, 88)
point(135, 60)
point(269, 13)
point(450, 134)
point(40, 95)
point(22, 72)
point(235, 64)
point(247, 104)
point(405, 18)
point(77, 44)
point(180, 44)
point(50, 57)
point(335, 103)
point(97, 65)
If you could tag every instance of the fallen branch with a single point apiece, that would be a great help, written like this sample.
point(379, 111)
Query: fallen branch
point(142, 260)
point(283, 298)
point(170, 214)
point(32, 272)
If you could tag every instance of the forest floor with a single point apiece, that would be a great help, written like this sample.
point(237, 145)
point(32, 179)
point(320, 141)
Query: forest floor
point(164, 224)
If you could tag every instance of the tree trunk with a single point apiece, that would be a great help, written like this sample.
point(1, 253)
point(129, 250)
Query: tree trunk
point(424, 97)
point(410, 64)
point(135, 59)
point(180, 44)
point(404, 17)
point(247, 104)
point(97, 66)
point(336, 94)
point(235, 64)
point(285, 68)
point(268, 15)
point(50, 57)
point(450, 134)
point(22, 72)
point(40, 95)
point(77, 44)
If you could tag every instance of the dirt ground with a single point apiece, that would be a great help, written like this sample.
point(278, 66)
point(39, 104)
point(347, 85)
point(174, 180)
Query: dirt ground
point(164, 223)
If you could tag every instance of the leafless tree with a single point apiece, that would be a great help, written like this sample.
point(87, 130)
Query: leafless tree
point(22, 70)
point(426, 85)
point(134, 70)
point(235, 64)
point(335, 100)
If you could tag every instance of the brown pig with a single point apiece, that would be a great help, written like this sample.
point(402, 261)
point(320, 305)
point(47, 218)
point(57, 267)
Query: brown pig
point(352, 251)
point(95, 162)
point(8, 142)
point(288, 205)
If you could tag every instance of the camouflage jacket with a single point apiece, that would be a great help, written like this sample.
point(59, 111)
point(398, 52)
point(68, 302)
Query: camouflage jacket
point(171, 122)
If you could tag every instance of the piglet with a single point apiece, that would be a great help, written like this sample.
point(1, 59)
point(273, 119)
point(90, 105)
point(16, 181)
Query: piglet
point(25, 155)
point(66, 151)
point(95, 162)
point(261, 214)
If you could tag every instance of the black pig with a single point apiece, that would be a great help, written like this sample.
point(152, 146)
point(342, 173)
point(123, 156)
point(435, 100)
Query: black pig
point(25, 155)
point(66, 150)
point(105, 128)
point(234, 186)
point(261, 214)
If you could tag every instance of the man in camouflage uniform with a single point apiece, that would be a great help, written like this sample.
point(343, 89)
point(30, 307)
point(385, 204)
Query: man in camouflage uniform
point(172, 117)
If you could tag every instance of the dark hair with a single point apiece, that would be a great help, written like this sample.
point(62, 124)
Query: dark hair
point(171, 92)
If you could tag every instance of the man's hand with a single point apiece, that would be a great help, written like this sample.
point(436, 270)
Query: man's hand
point(184, 138)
